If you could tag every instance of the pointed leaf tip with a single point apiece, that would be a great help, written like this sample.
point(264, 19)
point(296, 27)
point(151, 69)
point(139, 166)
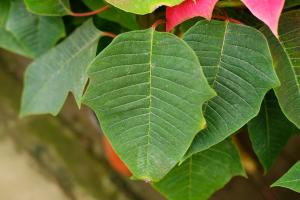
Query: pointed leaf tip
point(267, 11)
point(187, 10)
point(290, 179)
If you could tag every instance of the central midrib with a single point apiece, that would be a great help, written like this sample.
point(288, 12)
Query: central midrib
point(218, 66)
point(150, 99)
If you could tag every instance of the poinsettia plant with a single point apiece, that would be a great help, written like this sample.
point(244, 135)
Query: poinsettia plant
point(169, 80)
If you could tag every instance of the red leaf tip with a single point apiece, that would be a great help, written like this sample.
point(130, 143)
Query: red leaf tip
point(187, 10)
point(268, 11)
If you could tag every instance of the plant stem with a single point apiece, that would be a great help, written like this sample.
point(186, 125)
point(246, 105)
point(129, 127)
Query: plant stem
point(104, 8)
point(109, 34)
point(224, 4)
point(227, 19)
point(157, 23)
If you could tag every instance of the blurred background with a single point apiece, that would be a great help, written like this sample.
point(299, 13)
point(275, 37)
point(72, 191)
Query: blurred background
point(62, 158)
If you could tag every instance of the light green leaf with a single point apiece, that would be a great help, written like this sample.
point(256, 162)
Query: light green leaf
point(237, 63)
point(291, 179)
point(202, 174)
point(147, 89)
point(270, 131)
point(142, 6)
point(50, 78)
point(128, 20)
point(286, 56)
point(9, 42)
point(49, 7)
point(25, 33)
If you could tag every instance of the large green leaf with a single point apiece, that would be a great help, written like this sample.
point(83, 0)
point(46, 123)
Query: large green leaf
point(27, 34)
point(50, 78)
point(202, 174)
point(128, 20)
point(142, 6)
point(270, 131)
point(237, 63)
point(49, 7)
point(147, 89)
point(291, 179)
point(286, 56)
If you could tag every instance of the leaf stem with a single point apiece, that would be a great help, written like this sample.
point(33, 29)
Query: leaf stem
point(109, 34)
point(227, 19)
point(158, 22)
point(95, 12)
point(224, 4)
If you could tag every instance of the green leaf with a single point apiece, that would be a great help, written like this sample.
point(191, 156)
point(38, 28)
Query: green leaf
point(270, 131)
point(50, 78)
point(49, 7)
point(147, 89)
point(9, 42)
point(237, 63)
point(128, 20)
point(286, 56)
point(291, 179)
point(4, 10)
point(202, 174)
point(24, 33)
point(141, 6)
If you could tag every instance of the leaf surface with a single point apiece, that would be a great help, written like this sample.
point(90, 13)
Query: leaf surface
point(202, 174)
point(291, 179)
point(50, 78)
point(142, 6)
point(147, 89)
point(286, 56)
point(49, 7)
point(267, 11)
point(187, 10)
point(237, 63)
point(270, 131)
point(24, 33)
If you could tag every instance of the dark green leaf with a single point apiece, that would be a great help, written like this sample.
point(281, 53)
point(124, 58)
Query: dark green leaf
point(50, 78)
point(28, 34)
point(147, 89)
point(291, 179)
point(202, 174)
point(291, 3)
point(238, 65)
point(270, 131)
point(286, 56)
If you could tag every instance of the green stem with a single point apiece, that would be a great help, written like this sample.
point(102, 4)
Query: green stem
point(223, 4)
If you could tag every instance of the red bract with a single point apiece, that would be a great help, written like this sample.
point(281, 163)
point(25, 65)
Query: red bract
point(113, 158)
point(187, 10)
point(267, 11)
